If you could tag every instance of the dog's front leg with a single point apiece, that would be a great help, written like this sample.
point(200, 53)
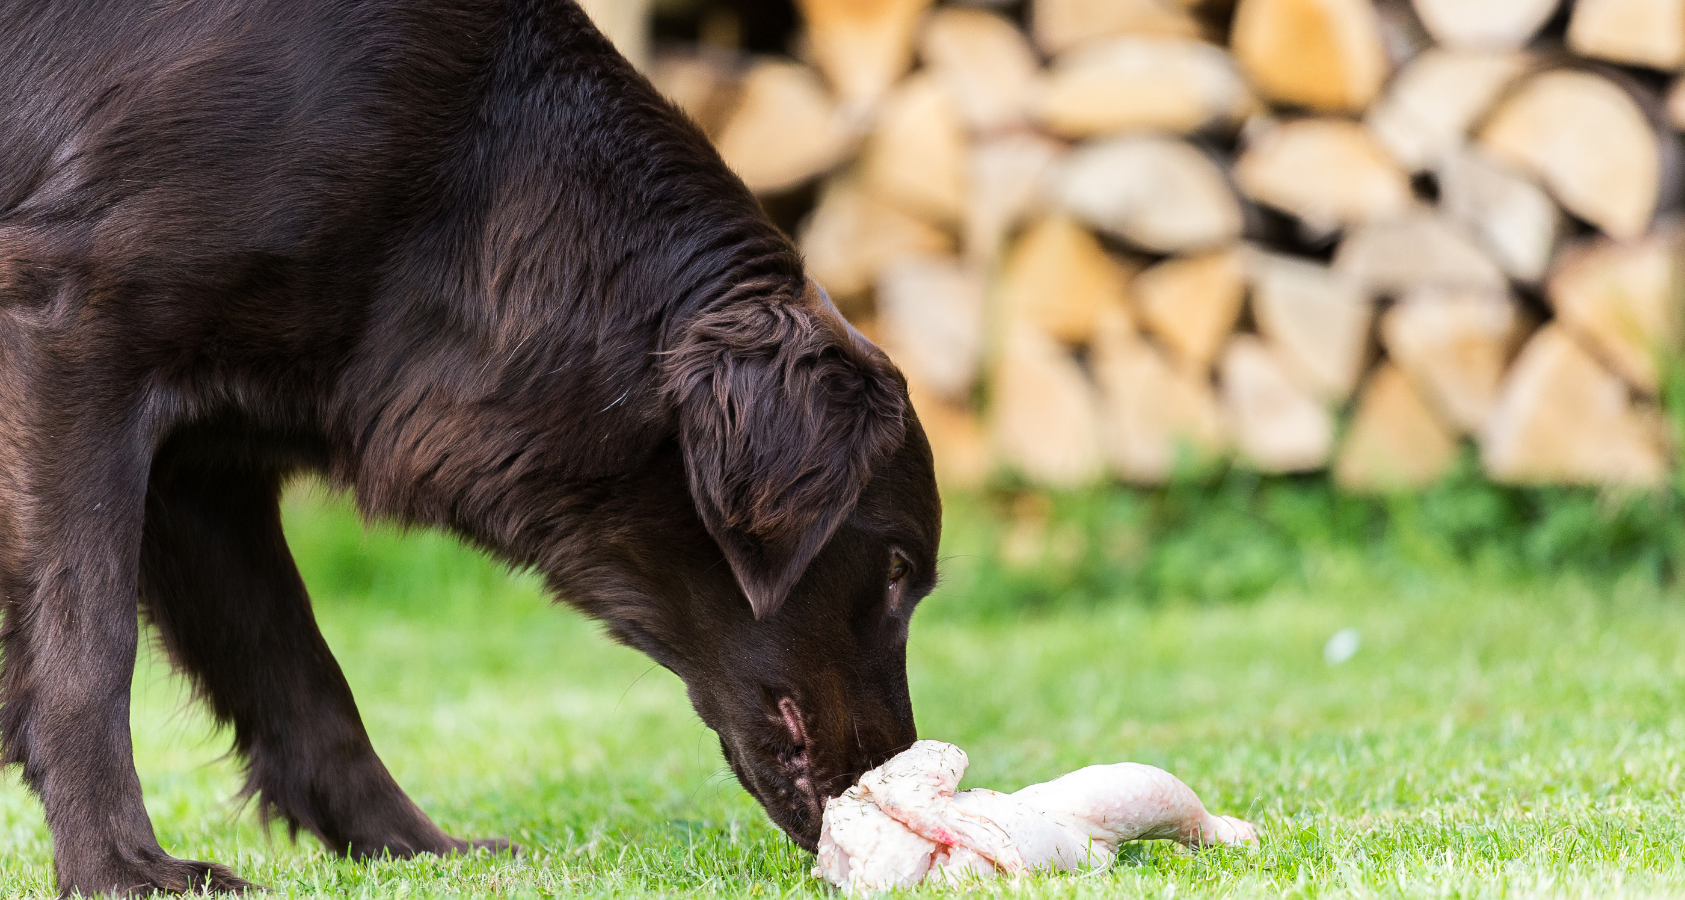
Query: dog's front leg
point(220, 586)
point(74, 481)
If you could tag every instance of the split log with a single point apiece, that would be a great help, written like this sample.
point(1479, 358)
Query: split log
point(1191, 304)
point(626, 23)
point(1675, 104)
point(1436, 99)
point(785, 130)
point(1059, 278)
point(1622, 301)
point(1323, 54)
point(1515, 219)
point(1586, 140)
point(1155, 418)
point(1061, 25)
point(930, 311)
point(1394, 442)
point(1158, 193)
point(1455, 345)
point(852, 235)
point(1276, 425)
point(917, 157)
point(702, 84)
point(867, 324)
point(1328, 173)
point(1419, 250)
point(1636, 32)
point(1402, 33)
point(1142, 84)
point(1009, 174)
point(1484, 24)
point(984, 62)
point(957, 440)
point(1316, 319)
point(1564, 419)
point(862, 46)
point(1044, 416)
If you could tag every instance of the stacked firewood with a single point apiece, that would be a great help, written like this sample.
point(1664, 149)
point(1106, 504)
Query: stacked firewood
point(1108, 238)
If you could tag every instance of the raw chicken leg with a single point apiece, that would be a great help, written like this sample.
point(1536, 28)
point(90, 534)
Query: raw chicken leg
point(905, 821)
point(1116, 804)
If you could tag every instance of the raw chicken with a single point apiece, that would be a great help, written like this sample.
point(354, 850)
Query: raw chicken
point(906, 821)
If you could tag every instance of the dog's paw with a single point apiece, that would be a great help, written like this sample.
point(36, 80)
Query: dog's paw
point(154, 876)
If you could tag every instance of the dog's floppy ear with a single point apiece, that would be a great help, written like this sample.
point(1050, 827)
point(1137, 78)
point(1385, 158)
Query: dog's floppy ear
point(783, 411)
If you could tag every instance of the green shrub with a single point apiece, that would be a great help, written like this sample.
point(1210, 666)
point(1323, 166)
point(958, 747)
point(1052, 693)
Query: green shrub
point(1237, 535)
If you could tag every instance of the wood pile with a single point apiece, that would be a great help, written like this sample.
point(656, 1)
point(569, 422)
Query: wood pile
point(1109, 238)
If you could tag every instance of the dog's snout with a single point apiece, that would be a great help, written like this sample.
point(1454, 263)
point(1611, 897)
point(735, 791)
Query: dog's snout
point(797, 761)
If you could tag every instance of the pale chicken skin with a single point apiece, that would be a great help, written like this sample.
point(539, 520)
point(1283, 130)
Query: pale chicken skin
point(907, 821)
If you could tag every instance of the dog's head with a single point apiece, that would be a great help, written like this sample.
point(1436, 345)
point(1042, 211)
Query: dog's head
point(785, 569)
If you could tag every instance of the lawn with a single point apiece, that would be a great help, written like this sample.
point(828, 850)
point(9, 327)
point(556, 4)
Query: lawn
point(1503, 729)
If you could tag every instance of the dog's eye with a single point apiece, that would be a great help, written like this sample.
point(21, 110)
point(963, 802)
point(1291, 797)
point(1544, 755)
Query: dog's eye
point(898, 569)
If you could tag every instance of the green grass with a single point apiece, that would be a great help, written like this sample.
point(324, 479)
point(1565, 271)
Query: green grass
point(1511, 725)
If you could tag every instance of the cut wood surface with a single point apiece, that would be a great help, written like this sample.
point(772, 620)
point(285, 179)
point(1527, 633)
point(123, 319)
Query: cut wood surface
point(1435, 100)
point(1637, 32)
point(985, 62)
point(1515, 219)
point(1622, 301)
point(1060, 278)
point(1060, 25)
point(1394, 441)
point(1455, 346)
point(1564, 419)
point(704, 85)
point(1588, 142)
point(1158, 193)
point(1327, 172)
point(1675, 103)
point(852, 235)
point(1141, 83)
point(917, 157)
point(1484, 24)
point(626, 24)
point(1153, 416)
point(930, 312)
point(1417, 251)
point(1009, 175)
point(862, 46)
point(1315, 319)
point(1402, 33)
point(958, 441)
point(1045, 420)
point(1191, 304)
point(785, 130)
point(1322, 54)
point(1276, 425)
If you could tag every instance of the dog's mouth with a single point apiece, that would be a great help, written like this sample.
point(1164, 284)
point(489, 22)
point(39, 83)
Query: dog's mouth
point(792, 763)
point(780, 773)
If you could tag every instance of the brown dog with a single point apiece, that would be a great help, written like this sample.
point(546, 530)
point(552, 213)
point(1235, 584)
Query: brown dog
point(460, 257)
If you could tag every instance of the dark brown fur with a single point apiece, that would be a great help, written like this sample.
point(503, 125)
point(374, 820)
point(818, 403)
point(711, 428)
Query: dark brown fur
point(458, 256)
